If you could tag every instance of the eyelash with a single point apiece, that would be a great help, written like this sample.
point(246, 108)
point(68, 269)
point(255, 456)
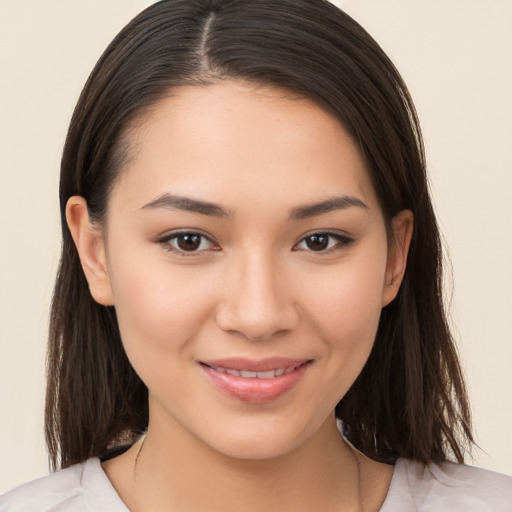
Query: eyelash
point(342, 242)
point(166, 243)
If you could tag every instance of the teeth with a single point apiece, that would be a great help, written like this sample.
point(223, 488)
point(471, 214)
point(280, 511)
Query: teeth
point(267, 375)
point(270, 374)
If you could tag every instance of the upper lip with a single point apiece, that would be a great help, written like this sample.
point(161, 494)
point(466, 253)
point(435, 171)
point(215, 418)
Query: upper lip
point(253, 365)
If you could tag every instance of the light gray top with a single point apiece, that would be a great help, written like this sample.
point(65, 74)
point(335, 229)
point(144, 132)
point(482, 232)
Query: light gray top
point(414, 487)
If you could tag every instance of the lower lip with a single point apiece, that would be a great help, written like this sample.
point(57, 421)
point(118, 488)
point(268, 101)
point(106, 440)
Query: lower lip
point(255, 391)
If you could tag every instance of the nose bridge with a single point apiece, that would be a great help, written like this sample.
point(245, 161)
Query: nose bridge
point(257, 302)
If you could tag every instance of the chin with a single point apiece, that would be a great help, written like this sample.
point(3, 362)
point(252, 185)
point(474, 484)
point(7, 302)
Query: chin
point(257, 447)
point(264, 439)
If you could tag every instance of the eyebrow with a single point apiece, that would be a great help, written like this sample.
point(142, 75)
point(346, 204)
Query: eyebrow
point(177, 202)
point(329, 205)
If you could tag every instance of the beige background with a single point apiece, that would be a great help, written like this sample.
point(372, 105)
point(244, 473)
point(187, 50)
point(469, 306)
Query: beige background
point(456, 57)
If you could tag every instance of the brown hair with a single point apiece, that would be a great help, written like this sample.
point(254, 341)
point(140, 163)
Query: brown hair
point(409, 400)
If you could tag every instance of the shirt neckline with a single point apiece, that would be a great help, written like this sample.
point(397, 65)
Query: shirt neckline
point(100, 495)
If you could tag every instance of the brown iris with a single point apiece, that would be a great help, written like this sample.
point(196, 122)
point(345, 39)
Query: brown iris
point(318, 242)
point(188, 241)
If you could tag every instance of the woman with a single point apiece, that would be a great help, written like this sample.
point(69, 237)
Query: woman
point(251, 261)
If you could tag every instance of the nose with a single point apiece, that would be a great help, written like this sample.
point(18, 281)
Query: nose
point(257, 303)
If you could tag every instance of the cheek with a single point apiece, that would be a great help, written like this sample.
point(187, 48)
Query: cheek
point(159, 309)
point(346, 309)
point(348, 301)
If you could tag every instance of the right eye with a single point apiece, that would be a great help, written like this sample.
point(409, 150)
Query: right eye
point(187, 243)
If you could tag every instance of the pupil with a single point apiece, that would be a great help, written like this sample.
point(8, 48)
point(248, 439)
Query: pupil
point(317, 242)
point(189, 242)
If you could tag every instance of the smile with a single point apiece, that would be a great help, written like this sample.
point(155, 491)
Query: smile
point(247, 374)
point(255, 382)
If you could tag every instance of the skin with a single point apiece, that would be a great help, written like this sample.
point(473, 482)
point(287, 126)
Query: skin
point(255, 287)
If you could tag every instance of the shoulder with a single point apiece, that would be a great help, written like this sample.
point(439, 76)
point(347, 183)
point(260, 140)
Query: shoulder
point(448, 486)
point(49, 493)
point(79, 488)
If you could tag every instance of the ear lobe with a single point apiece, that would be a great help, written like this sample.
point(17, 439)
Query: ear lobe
point(401, 233)
point(90, 245)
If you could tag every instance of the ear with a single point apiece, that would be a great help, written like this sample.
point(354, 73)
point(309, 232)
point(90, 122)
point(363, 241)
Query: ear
point(401, 234)
point(90, 245)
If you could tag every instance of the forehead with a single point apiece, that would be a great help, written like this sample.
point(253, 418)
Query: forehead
point(235, 140)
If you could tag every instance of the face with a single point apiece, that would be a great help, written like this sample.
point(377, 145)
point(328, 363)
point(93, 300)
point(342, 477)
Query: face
point(247, 258)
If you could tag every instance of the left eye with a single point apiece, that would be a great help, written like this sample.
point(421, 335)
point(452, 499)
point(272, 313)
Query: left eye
point(188, 242)
point(320, 242)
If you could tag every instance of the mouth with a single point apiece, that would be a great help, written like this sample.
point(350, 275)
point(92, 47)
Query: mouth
point(247, 374)
point(255, 382)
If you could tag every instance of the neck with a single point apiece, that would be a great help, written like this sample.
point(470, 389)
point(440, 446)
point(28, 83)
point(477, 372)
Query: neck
point(179, 472)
